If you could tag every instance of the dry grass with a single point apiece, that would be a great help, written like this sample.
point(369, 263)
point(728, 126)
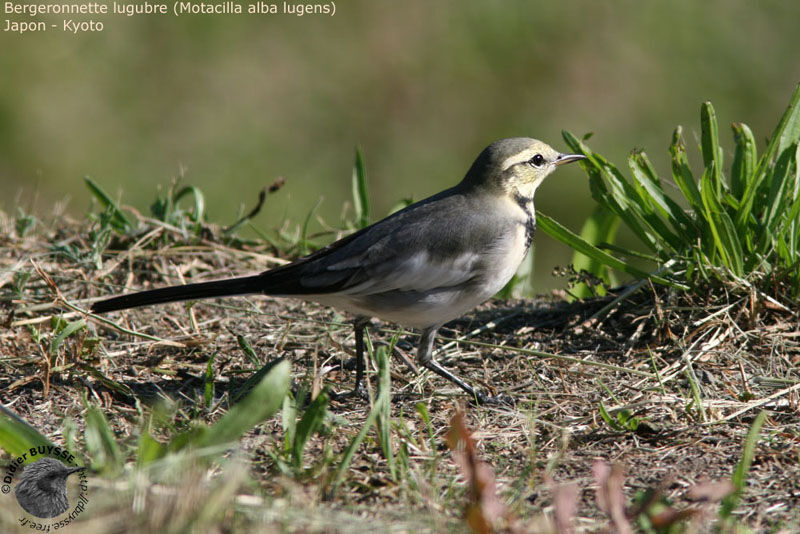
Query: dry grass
point(695, 370)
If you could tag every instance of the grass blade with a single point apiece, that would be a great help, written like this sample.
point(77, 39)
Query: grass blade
point(118, 219)
point(645, 174)
point(67, 331)
point(347, 456)
point(561, 233)
point(247, 348)
point(306, 246)
point(726, 240)
point(149, 449)
point(651, 199)
point(709, 144)
point(682, 174)
point(384, 407)
point(614, 193)
point(744, 161)
point(261, 403)
point(198, 215)
point(781, 181)
point(599, 227)
point(101, 445)
point(16, 435)
point(312, 419)
point(208, 383)
point(251, 381)
point(786, 133)
point(379, 408)
point(360, 196)
point(739, 477)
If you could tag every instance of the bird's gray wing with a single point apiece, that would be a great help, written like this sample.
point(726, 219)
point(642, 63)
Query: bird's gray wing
point(436, 243)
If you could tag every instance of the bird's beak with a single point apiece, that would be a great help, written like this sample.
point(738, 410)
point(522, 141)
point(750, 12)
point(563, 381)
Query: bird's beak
point(568, 158)
point(75, 470)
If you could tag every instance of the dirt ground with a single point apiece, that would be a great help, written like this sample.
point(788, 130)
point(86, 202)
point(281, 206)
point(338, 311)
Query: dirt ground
point(694, 370)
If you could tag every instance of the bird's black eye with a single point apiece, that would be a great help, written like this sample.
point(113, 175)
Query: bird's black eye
point(537, 160)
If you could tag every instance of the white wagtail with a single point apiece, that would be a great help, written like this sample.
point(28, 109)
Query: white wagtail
point(420, 267)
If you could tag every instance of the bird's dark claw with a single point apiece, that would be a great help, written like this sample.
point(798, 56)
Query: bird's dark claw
point(358, 392)
point(497, 400)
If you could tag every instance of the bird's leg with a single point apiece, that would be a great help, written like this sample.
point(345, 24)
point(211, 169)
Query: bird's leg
point(425, 358)
point(359, 390)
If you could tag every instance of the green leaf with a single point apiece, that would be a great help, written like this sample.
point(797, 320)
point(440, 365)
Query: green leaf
point(67, 331)
point(251, 381)
point(379, 407)
point(312, 419)
point(385, 409)
point(651, 197)
point(425, 416)
point(599, 227)
point(645, 174)
point(627, 203)
point(208, 382)
point(149, 449)
point(614, 193)
point(790, 237)
point(782, 181)
point(561, 233)
point(261, 403)
point(628, 253)
point(118, 219)
point(360, 196)
point(786, 133)
point(101, 445)
point(726, 240)
point(199, 212)
point(247, 348)
point(780, 217)
point(113, 385)
point(610, 421)
point(739, 477)
point(712, 151)
point(682, 174)
point(289, 419)
point(347, 456)
point(305, 244)
point(16, 435)
point(744, 161)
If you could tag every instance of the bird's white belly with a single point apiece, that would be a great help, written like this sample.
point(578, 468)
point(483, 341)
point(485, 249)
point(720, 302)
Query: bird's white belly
point(438, 305)
point(428, 310)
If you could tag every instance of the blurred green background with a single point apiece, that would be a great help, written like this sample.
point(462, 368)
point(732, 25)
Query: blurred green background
point(232, 102)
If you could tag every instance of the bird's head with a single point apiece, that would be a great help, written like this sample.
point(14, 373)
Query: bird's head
point(48, 474)
point(516, 166)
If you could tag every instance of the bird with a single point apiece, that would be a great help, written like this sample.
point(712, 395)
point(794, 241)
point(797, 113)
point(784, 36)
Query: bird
point(42, 489)
point(420, 267)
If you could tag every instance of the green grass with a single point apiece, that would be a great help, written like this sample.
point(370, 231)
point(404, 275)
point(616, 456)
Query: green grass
point(385, 456)
point(739, 227)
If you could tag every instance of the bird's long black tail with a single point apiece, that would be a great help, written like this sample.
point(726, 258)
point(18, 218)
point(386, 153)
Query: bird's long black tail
point(202, 290)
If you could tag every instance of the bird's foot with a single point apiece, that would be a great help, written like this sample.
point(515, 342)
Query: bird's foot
point(351, 364)
point(496, 400)
point(358, 392)
point(475, 396)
